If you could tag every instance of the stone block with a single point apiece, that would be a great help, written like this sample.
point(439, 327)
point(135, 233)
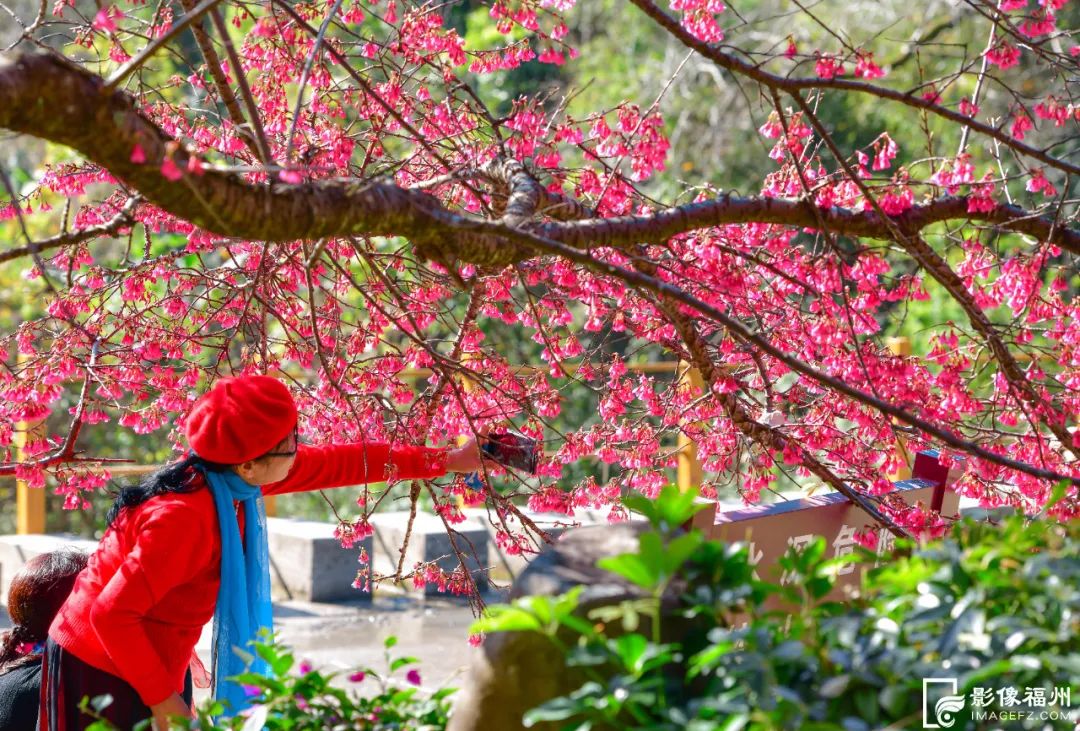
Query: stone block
point(516, 671)
point(429, 542)
point(307, 562)
point(506, 567)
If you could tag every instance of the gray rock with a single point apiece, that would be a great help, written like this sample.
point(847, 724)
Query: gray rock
point(519, 670)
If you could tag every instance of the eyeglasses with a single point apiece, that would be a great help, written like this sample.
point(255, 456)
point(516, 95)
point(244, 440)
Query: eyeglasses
point(295, 443)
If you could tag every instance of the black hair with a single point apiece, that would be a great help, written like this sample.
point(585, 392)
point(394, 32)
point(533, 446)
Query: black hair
point(37, 592)
point(178, 477)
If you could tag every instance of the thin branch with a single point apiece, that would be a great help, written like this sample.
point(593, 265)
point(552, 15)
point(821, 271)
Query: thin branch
point(66, 453)
point(221, 83)
point(304, 78)
point(265, 155)
point(983, 66)
point(151, 48)
point(109, 228)
point(796, 84)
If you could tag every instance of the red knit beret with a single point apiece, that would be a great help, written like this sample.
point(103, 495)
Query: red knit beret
point(240, 419)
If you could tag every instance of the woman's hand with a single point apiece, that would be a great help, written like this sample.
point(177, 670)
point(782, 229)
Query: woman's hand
point(465, 458)
point(172, 706)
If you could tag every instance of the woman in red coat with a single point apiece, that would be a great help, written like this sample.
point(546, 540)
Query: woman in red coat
point(173, 556)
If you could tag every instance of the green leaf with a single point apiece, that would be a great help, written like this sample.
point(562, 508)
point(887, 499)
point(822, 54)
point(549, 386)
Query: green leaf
point(443, 693)
point(533, 614)
point(389, 642)
point(503, 618)
point(819, 587)
point(631, 649)
point(866, 702)
point(679, 549)
point(564, 707)
point(854, 723)
point(813, 552)
point(401, 662)
point(633, 568)
point(579, 625)
point(1057, 494)
point(788, 651)
point(280, 661)
point(669, 510)
point(735, 722)
point(892, 699)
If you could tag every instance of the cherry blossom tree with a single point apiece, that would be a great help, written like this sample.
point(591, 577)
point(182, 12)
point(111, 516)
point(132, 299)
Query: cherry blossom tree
point(321, 190)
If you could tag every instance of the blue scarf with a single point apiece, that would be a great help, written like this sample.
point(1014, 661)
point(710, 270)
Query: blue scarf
point(243, 605)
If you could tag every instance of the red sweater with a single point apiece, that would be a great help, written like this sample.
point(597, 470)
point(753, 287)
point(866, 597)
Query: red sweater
point(138, 608)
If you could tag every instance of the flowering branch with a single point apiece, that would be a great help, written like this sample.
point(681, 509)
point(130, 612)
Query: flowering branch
point(659, 286)
point(940, 270)
point(117, 223)
point(66, 453)
point(796, 84)
point(767, 436)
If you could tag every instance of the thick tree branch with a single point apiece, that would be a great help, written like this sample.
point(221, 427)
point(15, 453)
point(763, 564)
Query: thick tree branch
point(44, 96)
point(622, 231)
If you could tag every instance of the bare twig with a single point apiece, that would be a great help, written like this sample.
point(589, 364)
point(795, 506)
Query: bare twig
point(109, 228)
point(304, 78)
point(265, 154)
point(151, 48)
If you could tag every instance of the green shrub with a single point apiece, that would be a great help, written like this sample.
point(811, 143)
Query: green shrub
point(308, 701)
point(995, 607)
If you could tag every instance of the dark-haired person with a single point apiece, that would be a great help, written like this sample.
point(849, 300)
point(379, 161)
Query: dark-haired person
point(36, 594)
point(173, 556)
